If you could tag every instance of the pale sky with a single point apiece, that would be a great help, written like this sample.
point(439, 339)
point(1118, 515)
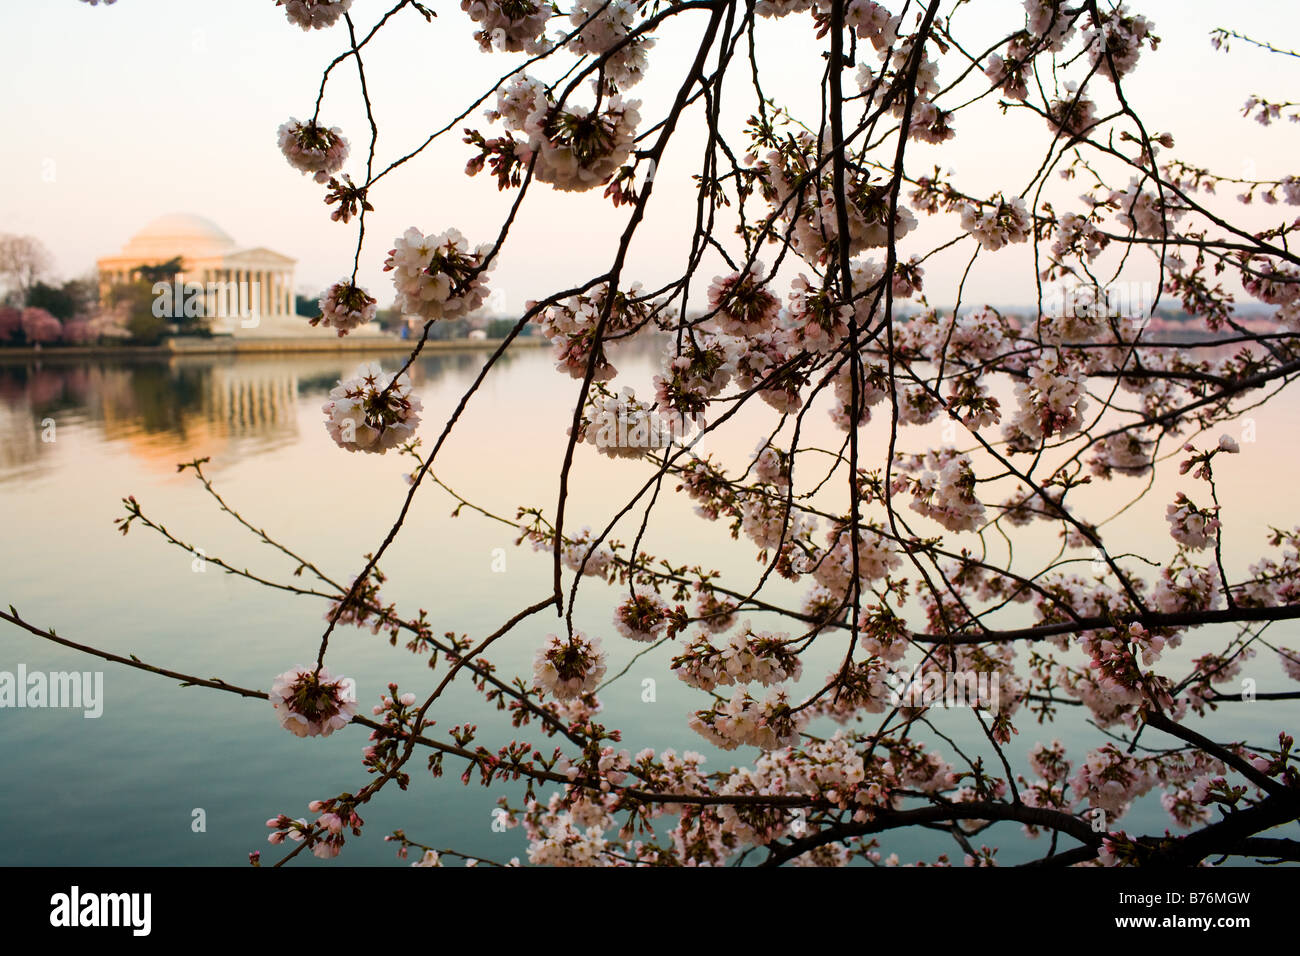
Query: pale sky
point(117, 114)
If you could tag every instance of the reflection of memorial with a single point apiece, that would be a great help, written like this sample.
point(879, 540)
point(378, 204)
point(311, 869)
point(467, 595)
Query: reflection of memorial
point(191, 407)
point(164, 412)
point(249, 399)
point(167, 411)
point(19, 436)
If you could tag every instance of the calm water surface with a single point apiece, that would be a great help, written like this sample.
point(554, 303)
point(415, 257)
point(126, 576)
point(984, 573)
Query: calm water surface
point(123, 788)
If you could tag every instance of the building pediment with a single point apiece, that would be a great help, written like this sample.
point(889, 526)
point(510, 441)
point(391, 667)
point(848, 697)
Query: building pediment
point(259, 256)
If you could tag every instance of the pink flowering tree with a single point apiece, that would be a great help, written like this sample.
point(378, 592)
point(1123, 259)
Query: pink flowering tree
point(40, 327)
point(11, 324)
point(960, 435)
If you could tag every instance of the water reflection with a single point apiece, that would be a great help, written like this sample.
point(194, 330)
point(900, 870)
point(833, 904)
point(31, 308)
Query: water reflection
point(123, 425)
point(169, 407)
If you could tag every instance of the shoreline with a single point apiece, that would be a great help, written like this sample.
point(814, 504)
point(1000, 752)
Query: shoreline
point(176, 347)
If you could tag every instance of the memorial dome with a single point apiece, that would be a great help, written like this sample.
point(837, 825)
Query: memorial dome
point(179, 234)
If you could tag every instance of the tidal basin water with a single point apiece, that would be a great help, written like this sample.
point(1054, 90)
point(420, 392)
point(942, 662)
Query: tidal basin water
point(124, 788)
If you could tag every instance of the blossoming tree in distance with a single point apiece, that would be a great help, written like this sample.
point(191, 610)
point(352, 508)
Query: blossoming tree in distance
point(909, 550)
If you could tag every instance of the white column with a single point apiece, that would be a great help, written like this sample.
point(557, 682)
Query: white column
point(288, 293)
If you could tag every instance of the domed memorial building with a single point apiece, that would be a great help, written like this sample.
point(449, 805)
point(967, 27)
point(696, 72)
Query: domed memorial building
point(242, 292)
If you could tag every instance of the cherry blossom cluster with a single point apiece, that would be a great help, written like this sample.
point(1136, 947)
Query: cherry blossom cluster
point(383, 755)
point(833, 566)
point(747, 657)
point(313, 703)
point(1183, 587)
point(312, 14)
point(575, 825)
point(438, 276)
point(567, 837)
point(602, 29)
point(742, 304)
point(1051, 22)
point(511, 26)
point(928, 123)
point(582, 554)
point(571, 326)
point(775, 9)
point(1050, 401)
point(716, 615)
point(363, 608)
point(1125, 453)
point(1011, 74)
point(1144, 212)
point(1190, 526)
point(743, 721)
point(1078, 235)
point(312, 148)
point(1115, 45)
point(1119, 662)
point(336, 816)
point(345, 306)
point(621, 426)
point(949, 497)
point(1273, 582)
point(348, 197)
point(694, 373)
point(1074, 113)
point(771, 465)
point(1276, 285)
point(1111, 780)
point(568, 668)
point(819, 315)
point(372, 411)
point(286, 828)
point(809, 209)
point(1290, 662)
point(1002, 223)
point(645, 618)
point(573, 148)
point(771, 525)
